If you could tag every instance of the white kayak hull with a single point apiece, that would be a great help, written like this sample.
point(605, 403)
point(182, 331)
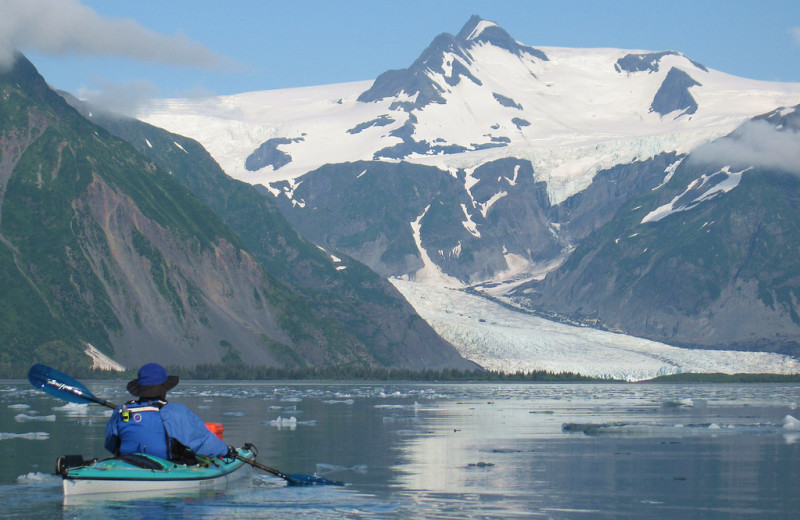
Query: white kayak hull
point(117, 476)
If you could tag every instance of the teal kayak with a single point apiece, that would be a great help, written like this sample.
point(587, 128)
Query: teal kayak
point(141, 473)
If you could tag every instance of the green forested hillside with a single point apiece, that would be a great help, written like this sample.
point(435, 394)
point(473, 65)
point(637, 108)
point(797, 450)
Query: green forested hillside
point(100, 244)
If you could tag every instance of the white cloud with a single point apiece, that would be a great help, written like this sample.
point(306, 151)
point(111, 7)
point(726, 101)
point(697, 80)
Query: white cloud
point(120, 98)
point(68, 27)
point(756, 143)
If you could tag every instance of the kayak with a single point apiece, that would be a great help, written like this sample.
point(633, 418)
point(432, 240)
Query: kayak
point(141, 473)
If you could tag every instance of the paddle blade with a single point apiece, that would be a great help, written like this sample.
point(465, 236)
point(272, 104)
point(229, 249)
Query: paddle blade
point(296, 479)
point(60, 385)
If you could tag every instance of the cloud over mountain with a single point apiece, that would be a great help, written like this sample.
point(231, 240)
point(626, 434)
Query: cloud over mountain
point(121, 98)
point(69, 27)
point(757, 143)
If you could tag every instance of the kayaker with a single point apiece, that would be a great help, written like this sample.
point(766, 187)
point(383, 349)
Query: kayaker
point(153, 426)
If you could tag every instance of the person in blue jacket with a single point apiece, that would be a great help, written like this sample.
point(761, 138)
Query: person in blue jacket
point(153, 426)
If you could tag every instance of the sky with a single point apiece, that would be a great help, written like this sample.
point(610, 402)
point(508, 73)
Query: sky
point(125, 50)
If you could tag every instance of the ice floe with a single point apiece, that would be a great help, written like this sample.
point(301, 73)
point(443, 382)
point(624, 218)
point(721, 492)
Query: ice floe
point(791, 423)
point(74, 410)
point(289, 423)
point(32, 436)
point(24, 417)
point(38, 478)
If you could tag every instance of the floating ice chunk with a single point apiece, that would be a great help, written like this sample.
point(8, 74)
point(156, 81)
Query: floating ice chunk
point(791, 423)
point(339, 401)
point(235, 414)
point(394, 394)
point(284, 422)
point(289, 422)
point(39, 478)
point(19, 406)
point(23, 417)
point(71, 406)
point(31, 436)
point(73, 409)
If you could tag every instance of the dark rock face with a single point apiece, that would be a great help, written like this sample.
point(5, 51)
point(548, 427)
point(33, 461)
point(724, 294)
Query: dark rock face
point(268, 154)
point(649, 62)
point(673, 95)
point(367, 209)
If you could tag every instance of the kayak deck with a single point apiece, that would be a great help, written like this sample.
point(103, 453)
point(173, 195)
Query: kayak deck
point(139, 473)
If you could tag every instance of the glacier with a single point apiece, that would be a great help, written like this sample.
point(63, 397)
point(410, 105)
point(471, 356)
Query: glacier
point(502, 339)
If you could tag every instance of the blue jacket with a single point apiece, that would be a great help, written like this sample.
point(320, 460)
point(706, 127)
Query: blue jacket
point(150, 426)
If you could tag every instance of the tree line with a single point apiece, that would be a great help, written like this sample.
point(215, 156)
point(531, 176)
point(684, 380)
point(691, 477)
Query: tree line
point(242, 372)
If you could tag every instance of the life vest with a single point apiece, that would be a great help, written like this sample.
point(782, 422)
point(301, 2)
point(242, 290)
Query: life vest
point(141, 429)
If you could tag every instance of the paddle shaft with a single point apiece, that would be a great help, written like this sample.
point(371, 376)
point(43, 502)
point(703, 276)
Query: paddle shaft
point(265, 468)
point(106, 403)
point(53, 383)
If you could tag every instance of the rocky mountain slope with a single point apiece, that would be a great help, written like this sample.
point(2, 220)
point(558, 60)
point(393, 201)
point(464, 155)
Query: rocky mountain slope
point(707, 259)
point(99, 244)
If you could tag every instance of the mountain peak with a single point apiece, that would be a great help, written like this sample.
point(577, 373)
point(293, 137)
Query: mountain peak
point(477, 31)
point(444, 63)
point(474, 27)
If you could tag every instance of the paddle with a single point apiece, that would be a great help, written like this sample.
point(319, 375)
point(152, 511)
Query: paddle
point(60, 385)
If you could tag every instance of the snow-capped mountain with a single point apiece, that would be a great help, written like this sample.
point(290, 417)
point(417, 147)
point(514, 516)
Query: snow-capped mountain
point(470, 100)
point(488, 162)
point(477, 97)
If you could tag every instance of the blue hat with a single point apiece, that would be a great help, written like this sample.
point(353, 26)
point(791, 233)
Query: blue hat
point(152, 381)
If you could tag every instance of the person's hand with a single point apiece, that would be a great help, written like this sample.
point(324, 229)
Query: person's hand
point(232, 452)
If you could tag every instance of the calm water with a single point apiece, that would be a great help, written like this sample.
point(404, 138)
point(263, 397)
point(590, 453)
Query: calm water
point(558, 451)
